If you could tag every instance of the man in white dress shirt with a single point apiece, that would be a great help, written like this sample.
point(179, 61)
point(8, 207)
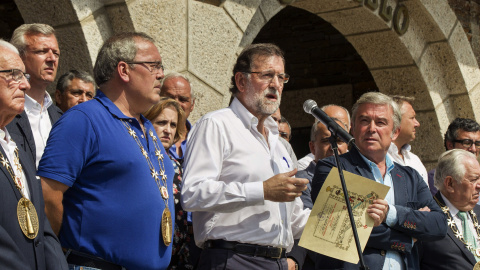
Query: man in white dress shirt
point(39, 51)
point(400, 149)
point(238, 179)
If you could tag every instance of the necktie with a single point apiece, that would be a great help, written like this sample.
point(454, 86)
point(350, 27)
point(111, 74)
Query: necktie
point(468, 235)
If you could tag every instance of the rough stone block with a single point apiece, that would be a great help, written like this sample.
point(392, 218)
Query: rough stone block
point(43, 11)
point(251, 32)
point(169, 29)
point(85, 8)
point(429, 131)
point(322, 6)
point(96, 30)
point(119, 18)
point(241, 11)
point(270, 8)
point(381, 49)
point(212, 43)
point(207, 99)
point(407, 81)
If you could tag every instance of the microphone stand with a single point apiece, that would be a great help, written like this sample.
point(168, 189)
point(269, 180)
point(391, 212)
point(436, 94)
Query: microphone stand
point(333, 143)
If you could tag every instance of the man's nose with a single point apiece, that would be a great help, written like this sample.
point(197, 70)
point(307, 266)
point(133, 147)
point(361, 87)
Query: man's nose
point(82, 98)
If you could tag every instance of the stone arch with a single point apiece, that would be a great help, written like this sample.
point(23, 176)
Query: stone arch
point(432, 61)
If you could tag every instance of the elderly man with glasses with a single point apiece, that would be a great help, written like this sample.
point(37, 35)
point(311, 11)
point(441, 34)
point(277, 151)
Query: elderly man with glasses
point(26, 238)
point(462, 133)
point(107, 180)
point(238, 179)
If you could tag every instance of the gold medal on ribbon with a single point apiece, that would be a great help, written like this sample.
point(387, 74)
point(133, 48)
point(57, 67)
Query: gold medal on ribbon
point(27, 218)
point(477, 266)
point(167, 227)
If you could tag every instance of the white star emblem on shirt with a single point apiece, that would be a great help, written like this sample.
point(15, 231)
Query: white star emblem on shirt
point(132, 133)
point(154, 174)
point(164, 176)
point(144, 153)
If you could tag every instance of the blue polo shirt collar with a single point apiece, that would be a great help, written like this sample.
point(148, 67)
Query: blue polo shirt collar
point(113, 109)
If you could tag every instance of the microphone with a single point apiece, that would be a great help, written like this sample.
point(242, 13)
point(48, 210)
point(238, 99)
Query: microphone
point(310, 106)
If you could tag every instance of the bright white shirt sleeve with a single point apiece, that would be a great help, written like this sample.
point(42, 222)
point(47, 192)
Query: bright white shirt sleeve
point(202, 190)
point(299, 218)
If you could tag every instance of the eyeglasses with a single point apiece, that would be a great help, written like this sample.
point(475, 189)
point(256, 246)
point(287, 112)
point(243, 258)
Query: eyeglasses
point(154, 66)
point(468, 143)
point(17, 74)
point(268, 75)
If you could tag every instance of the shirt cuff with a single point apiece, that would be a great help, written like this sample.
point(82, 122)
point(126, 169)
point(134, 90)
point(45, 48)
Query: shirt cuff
point(254, 192)
point(392, 218)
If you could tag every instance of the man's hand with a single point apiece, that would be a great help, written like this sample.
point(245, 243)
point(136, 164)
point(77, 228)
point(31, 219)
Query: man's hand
point(378, 211)
point(291, 264)
point(283, 187)
point(423, 209)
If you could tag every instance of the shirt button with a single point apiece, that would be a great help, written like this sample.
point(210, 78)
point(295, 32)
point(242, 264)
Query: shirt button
point(130, 120)
point(141, 136)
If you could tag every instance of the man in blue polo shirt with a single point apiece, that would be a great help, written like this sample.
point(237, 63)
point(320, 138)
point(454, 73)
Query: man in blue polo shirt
point(105, 163)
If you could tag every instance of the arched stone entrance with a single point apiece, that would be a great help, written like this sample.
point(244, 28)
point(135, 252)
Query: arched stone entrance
point(432, 60)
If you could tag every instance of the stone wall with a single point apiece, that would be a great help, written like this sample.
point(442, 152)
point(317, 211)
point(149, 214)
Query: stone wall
point(334, 45)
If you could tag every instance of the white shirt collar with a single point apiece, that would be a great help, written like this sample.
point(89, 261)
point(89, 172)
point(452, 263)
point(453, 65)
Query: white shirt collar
point(453, 210)
point(407, 147)
point(32, 105)
point(249, 120)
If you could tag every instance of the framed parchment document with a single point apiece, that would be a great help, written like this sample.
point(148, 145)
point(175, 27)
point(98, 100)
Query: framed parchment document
point(328, 230)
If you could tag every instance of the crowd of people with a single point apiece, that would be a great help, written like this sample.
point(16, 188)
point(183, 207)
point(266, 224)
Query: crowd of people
point(125, 181)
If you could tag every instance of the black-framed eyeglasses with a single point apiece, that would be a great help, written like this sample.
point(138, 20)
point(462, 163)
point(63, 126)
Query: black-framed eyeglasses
point(468, 143)
point(17, 74)
point(155, 66)
point(268, 75)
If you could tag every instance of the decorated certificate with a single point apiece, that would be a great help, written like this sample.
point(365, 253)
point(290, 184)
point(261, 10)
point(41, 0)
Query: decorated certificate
point(328, 230)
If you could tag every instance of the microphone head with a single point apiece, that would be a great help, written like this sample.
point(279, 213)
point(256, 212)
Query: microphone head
point(308, 105)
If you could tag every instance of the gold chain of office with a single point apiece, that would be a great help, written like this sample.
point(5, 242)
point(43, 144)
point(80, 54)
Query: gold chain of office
point(166, 215)
point(451, 223)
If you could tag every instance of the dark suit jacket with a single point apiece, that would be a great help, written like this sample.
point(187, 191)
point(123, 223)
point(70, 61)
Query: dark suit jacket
point(411, 193)
point(16, 250)
point(307, 174)
point(21, 131)
point(447, 253)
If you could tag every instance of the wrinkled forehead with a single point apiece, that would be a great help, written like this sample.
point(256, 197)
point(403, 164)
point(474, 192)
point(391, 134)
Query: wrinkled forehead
point(473, 135)
point(375, 111)
point(10, 59)
point(260, 60)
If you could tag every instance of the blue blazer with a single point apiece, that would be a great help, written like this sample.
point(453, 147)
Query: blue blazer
point(21, 131)
point(447, 253)
point(411, 193)
point(16, 250)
